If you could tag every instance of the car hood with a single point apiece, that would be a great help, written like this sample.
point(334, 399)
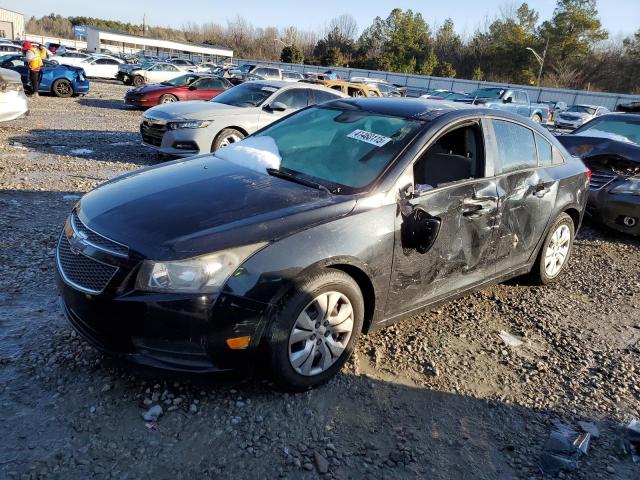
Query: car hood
point(575, 116)
point(200, 205)
point(194, 110)
point(154, 87)
point(587, 147)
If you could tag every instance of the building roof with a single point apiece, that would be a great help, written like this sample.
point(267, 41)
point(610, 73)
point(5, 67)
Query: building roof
point(116, 35)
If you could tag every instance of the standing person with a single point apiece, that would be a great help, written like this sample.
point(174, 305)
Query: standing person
point(42, 51)
point(34, 64)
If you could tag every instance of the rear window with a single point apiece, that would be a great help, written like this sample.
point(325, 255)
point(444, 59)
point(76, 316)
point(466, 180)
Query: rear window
point(545, 151)
point(516, 147)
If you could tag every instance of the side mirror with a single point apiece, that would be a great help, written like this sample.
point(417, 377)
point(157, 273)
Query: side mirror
point(192, 87)
point(419, 231)
point(277, 107)
point(508, 100)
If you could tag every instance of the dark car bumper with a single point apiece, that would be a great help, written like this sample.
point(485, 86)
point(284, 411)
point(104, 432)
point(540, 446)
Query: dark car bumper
point(141, 102)
point(185, 333)
point(612, 210)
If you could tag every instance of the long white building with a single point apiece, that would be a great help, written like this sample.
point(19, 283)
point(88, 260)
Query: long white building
point(98, 38)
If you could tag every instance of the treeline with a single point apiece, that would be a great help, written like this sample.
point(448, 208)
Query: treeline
point(579, 52)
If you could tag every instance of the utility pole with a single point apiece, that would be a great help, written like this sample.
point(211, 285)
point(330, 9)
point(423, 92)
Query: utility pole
point(144, 23)
point(540, 59)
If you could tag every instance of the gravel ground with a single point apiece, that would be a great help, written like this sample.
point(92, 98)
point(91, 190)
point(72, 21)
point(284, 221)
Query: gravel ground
point(439, 396)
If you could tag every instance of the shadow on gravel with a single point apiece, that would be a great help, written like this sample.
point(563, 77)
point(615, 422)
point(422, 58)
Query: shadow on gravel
point(106, 103)
point(112, 146)
point(594, 231)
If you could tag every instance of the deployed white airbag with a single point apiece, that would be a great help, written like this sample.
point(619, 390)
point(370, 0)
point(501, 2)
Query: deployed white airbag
point(256, 153)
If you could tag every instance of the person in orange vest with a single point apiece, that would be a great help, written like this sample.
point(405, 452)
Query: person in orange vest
point(34, 64)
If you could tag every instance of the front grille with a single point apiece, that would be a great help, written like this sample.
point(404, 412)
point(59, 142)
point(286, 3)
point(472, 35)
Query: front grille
point(96, 240)
point(84, 273)
point(152, 133)
point(600, 179)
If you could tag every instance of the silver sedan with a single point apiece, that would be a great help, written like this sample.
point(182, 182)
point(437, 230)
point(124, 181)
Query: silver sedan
point(191, 128)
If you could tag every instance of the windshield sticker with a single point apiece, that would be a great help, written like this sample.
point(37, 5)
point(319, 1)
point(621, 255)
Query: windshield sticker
point(369, 137)
point(269, 89)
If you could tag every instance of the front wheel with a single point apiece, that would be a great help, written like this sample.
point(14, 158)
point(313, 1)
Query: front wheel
point(137, 81)
point(537, 119)
point(167, 98)
point(315, 330)
point(226, 137)
point(555, 252)
point(62, 88)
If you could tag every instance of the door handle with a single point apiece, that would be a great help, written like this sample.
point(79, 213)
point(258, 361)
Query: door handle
point(540, 190)
point(477, 207)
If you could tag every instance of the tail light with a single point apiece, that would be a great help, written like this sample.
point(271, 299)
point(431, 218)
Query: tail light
point(588, 175)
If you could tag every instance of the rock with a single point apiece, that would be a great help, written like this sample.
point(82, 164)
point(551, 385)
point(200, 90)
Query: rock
point(153, 413)
point(322, 464)
point(307, 466)
point(193, 408)
point(610, 469)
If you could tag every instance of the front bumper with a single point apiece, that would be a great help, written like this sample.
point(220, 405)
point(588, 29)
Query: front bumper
point(180, 143)
point(611, 210)
point(81, 87)
point(184, 333)
point(141, 102)
point(568, 124)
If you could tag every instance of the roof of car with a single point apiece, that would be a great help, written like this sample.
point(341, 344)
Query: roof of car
point(625, 115)
point(403, 107)
point(284, 84)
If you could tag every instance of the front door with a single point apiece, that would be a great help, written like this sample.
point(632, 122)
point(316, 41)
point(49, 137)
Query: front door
point(456, 198)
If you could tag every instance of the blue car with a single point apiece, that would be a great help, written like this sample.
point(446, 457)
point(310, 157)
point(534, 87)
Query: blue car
point(61, 80)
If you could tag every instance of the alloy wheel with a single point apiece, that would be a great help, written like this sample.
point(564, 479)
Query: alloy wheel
point(63, 88)
point(229, 140)
point(557, 251)
point(321, 333)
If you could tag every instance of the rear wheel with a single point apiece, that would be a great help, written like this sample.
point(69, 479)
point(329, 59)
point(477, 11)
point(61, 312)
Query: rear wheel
point(62, 88)
point(226, 137)
point(555, 252)
point(315, 330)
point(167, 98)
point(137, 81)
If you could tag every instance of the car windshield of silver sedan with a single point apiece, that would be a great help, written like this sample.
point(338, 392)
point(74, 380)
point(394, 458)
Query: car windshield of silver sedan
point(181, 80)
point(581, 109)
point(251, 94)
point(623, 130)
point(340, 148)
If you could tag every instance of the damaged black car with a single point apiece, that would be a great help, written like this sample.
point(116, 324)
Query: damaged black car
point(610, 146)
point(280, 250)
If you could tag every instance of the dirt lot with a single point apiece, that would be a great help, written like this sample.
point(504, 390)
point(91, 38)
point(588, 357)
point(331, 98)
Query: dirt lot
point(439, 396)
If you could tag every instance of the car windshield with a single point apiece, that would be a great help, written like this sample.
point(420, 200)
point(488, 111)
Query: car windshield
point(245, 68)
point(621, 129)
point(581, 109)
point(338, 147)
point(456, 96)
point(9, 56)
point(487, 93)
point(251, 94)
point(181, 81)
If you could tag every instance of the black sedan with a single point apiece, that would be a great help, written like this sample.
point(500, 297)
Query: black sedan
point(282, 249)
point(610, 146)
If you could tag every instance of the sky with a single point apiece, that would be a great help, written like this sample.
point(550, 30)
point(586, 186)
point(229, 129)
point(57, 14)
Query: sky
point(620, 17)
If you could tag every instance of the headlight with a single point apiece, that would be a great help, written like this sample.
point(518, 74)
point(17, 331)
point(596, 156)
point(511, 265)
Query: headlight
point(631, 186)
point(204, 274)
point(189, 124)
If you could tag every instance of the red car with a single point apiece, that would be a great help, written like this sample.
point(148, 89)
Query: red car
point(192, 86)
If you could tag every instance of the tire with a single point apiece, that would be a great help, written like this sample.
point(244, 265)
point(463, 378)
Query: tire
point(541, 273)
point(137, 81)
point(127, 80)
point(297, 309)
point(226, 137)
point(62, 88)
point(167, 98)
point(537, 119)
